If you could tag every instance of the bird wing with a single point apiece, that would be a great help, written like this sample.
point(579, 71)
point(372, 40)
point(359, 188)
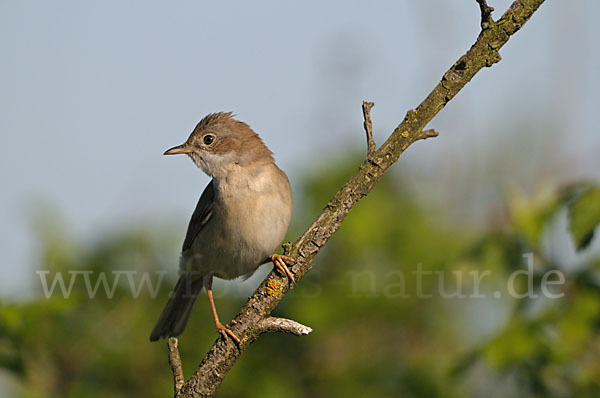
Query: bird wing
point(201, 215)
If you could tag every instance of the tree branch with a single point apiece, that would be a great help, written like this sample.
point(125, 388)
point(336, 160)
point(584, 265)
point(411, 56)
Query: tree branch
point(175, 362)
point(247, 324)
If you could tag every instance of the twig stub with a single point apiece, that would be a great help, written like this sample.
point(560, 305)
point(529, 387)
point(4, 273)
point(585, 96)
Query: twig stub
point(273, 324)
point(366, 109)
point(423, 135)
point(486, 14)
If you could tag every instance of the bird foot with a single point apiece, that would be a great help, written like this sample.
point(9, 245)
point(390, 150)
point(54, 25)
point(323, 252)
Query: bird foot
point(226, 332)
point(280, 262)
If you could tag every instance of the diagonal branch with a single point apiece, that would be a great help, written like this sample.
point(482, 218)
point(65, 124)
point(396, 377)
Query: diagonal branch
point(484, 53)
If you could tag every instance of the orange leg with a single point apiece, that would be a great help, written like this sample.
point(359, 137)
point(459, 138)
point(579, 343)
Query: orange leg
point(220, 328)
point(279, 261)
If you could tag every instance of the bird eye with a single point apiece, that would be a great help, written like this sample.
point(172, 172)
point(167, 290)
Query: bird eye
point(208, 139)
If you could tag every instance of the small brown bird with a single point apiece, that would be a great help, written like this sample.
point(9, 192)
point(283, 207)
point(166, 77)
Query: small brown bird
point(239, 221)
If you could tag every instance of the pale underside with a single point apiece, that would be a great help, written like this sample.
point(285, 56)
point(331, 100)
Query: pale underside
point(241, 226)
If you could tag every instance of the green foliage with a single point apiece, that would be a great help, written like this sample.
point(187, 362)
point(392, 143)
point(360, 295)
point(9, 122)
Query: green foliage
point(585, 216)
point(530, 214)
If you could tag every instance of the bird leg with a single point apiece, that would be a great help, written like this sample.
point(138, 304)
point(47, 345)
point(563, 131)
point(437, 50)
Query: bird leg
point(224, 330)
point(279, 262)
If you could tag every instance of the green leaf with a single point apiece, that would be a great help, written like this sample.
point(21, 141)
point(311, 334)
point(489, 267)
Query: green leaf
point(585, 217)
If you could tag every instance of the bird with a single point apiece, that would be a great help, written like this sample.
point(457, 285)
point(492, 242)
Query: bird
point(240, 220)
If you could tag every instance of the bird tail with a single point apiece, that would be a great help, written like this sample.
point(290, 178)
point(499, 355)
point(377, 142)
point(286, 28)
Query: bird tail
point(176, 313)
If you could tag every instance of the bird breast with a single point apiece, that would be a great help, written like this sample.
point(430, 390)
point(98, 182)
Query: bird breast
point(250, 218)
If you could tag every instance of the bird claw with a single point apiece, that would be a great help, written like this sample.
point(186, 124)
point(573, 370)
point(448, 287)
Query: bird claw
point(226, 332)
point(280, 262)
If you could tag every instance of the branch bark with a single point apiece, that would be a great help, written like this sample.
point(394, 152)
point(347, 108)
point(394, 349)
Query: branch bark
point(253, 318)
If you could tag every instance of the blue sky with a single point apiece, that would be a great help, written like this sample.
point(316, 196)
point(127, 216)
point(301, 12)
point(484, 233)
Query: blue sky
point(93, 93)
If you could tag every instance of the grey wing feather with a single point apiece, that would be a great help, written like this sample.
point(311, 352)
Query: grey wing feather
point(201, 215)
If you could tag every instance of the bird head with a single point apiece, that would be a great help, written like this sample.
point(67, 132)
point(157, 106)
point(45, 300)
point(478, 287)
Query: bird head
point(220, 142)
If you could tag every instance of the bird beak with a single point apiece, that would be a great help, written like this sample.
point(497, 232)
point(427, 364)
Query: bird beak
point(179, 149)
